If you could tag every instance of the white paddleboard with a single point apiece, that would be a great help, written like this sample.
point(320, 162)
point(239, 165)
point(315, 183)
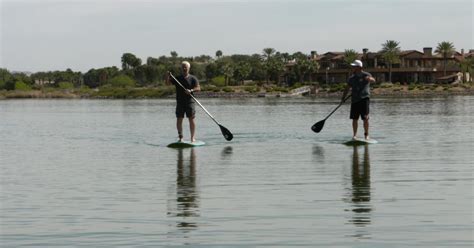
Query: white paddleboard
point(360, 141)
point(186, 144)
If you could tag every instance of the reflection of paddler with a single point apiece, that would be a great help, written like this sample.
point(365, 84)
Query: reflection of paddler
point(186, 193)
point(318, 152)
point(361, 187)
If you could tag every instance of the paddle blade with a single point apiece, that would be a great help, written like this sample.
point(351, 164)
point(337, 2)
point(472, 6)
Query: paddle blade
point(318, 126)
point(227, 134)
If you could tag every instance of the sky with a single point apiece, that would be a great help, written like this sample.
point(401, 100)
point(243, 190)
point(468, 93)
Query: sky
point(44, 35)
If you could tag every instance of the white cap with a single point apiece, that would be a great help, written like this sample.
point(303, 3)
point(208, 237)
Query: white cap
point(357, 63)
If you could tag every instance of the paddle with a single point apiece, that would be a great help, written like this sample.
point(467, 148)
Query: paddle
point(227, 134)
point(320, 124)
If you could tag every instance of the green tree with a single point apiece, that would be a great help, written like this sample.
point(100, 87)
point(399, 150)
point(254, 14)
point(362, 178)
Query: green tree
point(174, 55)
point(211, 71)
point(445, 49)
point(139, 75)
point(268, 53)
point(258, 69)
point(154, 73)
point(228, 71)
point(97, 77)
point(5, 76)
point(269, 64)
point(391, 54)
point(467, 66)
point(130, 61)
point(152, 61)
point(203, 59)
point(305, 65)
point(198, 70)
point(242, 71)
point(218, 54)
point(300, 65)
point(274, 68)
point(349, 56)
point(286, 57)
point(313, 67)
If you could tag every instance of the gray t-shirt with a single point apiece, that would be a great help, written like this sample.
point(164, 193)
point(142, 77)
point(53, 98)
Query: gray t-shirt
point(360, 86)
point(188, 82)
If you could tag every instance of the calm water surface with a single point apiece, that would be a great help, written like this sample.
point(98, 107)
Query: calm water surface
point(97, 173)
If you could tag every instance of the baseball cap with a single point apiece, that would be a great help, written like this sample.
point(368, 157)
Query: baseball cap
point(357, 63)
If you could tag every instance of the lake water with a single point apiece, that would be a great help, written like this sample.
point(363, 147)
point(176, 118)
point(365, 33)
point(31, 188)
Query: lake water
point(97, 173)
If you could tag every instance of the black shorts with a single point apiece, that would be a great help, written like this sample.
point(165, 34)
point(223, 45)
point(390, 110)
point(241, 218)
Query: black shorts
point(360, 108)
point(189, 109)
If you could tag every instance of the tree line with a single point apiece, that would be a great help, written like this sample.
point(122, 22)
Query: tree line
point(220, 70)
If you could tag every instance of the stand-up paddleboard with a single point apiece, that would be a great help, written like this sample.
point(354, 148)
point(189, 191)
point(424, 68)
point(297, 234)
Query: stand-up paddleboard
point(360, 141)
point(186, 144)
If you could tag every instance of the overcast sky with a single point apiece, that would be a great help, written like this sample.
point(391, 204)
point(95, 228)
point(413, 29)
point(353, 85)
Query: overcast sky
point(40, 35)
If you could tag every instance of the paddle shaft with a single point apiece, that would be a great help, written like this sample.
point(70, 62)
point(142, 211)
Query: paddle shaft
point(340, 104)
point(200, 105)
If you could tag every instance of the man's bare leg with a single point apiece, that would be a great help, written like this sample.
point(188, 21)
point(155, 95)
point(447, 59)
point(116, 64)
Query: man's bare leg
point(366, 127)
point(355, 125)
point(179, 126)
point(192, 128)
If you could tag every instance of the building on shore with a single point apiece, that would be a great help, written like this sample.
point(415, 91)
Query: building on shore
point(413, 66)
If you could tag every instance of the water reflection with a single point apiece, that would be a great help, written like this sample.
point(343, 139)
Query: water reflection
point(318, 153)
point(360, 191)
point(187, 197)
point(226, 152)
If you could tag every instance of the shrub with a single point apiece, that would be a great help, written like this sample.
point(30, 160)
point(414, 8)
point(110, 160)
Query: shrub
point(209, 87)
point(66, 85)
point(251, 89)
point(296, 85)
point(337, 87)
point(121, 81)
point(218, 81)
point(277, 89)
point(84, 90)
point(227, 89)
point(22, 86)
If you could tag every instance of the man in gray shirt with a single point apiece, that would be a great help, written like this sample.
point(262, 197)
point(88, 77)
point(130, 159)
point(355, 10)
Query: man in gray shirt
point(359, 82)
point(184, 101)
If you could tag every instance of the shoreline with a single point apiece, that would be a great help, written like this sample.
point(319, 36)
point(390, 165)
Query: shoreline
point(379, 91)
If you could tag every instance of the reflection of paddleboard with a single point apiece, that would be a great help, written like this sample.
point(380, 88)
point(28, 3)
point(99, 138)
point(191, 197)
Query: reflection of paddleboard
point(185, 144)
point(360, 141)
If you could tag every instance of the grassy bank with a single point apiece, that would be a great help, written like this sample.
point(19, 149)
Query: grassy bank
point(384, 89)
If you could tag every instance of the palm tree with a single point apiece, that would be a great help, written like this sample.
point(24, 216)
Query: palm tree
point(268, 53)
point(130, 61)
point(300, 65)
point(467, 66)
point(390, 52)
point(349, 56)
point(446, 49)
point(313, 67)
point(218, 54)
point(276, 68)
point(242, 71)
